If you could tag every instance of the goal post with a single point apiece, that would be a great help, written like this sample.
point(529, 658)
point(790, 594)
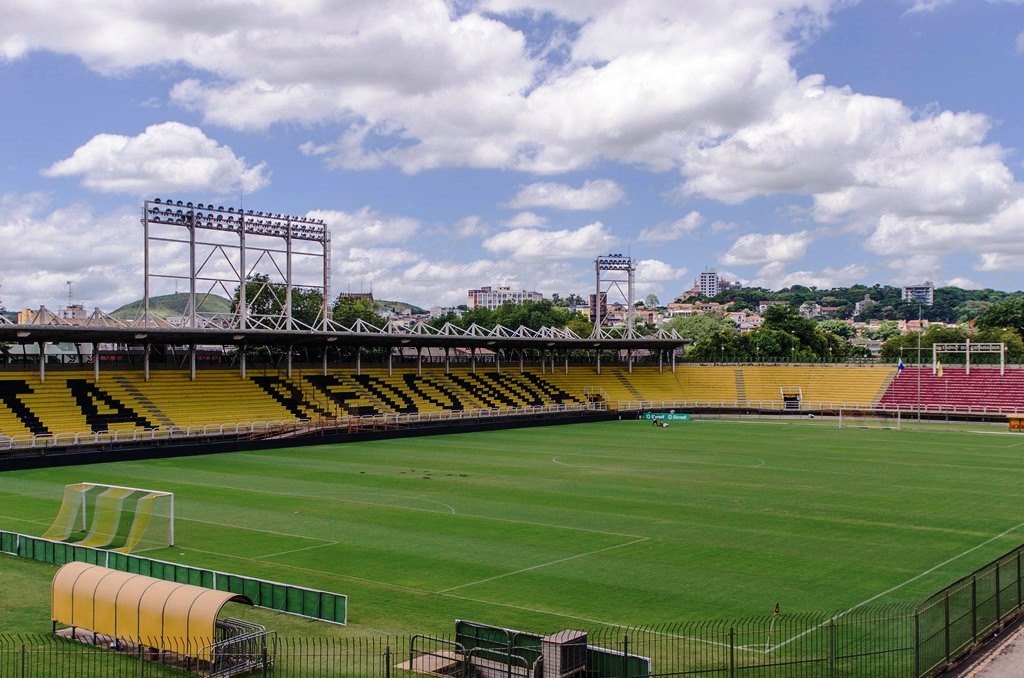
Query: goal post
point(869, 418)
point(125, 519)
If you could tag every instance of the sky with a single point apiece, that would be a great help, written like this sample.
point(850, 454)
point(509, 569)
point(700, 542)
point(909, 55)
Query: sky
point(453, 144)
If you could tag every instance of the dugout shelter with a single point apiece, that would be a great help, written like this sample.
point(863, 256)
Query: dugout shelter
point(133, 608)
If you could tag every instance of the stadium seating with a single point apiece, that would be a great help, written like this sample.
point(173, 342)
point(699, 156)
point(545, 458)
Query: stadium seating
point(72, 401)
point(984, 387)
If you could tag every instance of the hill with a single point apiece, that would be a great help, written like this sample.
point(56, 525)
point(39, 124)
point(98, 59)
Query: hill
point(169, 305)
point(398, 307)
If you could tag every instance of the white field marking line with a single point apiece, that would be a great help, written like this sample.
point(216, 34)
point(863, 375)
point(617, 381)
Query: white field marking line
point(537, 567)
point(653, 470)
point(39, 521)
point(894, 588)
point(268, 532)
point(450, 508)
point(410, 589)
point(304, 548)
point(408, 508)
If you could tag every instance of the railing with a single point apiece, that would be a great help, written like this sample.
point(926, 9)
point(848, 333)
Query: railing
point(280, 428)
point(869, 642)
point(810, 406)
point(892, 641)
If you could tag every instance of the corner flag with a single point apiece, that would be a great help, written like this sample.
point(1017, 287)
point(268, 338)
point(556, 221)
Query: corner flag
point(900, 367)
point(938, 368)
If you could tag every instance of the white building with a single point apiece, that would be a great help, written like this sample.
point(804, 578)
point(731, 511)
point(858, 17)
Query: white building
point(922, 294)
point(493, 297)
point(709, 284)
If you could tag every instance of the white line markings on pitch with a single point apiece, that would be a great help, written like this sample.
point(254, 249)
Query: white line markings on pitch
point(875, 597)
point(537, 567)
point(304, 548)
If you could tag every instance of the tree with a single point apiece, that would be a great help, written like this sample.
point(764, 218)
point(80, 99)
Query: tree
point(698, 327)
point(838, 328)
point(264, 298)
point(349, 309)
point(1004, 314)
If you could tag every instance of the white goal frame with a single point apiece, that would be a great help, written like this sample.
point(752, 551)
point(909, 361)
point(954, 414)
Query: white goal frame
point(857, 418)
point(78, 514)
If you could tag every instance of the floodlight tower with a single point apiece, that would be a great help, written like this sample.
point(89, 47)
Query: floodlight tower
point(226, 248)
point(613, 267)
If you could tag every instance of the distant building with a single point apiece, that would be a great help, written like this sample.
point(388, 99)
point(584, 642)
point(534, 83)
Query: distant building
point(863, 306)
point(763, 306)
point(709, 284)
point(921, 294)
point(493, 297)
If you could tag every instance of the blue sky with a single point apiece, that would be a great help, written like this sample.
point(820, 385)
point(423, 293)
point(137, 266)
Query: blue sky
point(456, 144)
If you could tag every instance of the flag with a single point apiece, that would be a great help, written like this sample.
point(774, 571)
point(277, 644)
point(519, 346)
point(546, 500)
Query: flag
point(778, 610)
point(938, 368)
point(900, 367)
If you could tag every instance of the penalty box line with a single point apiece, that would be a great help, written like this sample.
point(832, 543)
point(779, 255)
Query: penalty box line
point(541, 565)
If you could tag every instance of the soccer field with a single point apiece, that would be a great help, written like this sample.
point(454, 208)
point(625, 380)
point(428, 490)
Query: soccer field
point(588, 524)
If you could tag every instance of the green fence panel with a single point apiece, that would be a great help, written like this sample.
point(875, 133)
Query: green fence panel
point(8, 542)
point(311, 602)
point(272, 595)
point(295, 600)
point(251, 588)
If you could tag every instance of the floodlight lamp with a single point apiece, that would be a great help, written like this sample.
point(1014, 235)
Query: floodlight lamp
point(157, 201)
point(179, 203)
point(220, 207)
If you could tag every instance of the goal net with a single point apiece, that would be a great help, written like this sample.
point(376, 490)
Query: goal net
point(126, 519)
point(854, 418)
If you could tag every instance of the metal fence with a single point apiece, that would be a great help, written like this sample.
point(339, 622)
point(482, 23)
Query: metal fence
point(871, 642)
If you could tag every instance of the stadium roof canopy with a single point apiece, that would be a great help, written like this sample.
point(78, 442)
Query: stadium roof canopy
point(104, 329)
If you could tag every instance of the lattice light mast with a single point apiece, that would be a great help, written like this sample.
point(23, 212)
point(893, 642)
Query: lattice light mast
point(610, 269)
point(220, 264)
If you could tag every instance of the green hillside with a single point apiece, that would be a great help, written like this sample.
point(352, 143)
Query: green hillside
point(169, 305)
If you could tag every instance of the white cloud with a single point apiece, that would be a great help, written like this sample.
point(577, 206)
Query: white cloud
point(758, 248)
point(775, 276)
point(526, 244)
point(168, 157)
point(964, 283)
point(472, 226)
point(673, 230)
point(365, 227)
point(45, 246)
point(597, 194)
point(526, 220)
point(657, 271)
point(924, 6)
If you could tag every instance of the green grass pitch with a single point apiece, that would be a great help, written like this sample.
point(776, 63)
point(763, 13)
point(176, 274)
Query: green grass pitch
point(582, 525)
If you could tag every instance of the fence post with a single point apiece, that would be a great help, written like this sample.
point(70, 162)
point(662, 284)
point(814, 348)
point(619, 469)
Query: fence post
point(625, 656)
point(23, 659)
point(945, 625)
point(831, 647)
point(142, 665)
point(974, 608)
point(1019, 601)
point(917, 642)
point(263, 654)
point(999, 607)
point(732, 652)
point(387, 661)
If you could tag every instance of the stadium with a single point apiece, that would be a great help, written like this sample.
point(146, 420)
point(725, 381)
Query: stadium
point(413, 500)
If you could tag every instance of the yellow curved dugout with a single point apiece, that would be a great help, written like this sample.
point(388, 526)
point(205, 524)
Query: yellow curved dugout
point(166, 615)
